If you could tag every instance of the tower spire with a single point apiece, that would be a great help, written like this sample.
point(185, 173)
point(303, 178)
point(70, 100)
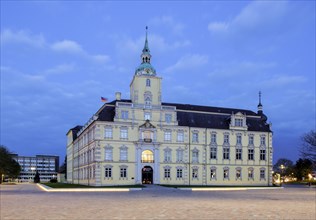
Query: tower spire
point(260, 105)
point(146, 48)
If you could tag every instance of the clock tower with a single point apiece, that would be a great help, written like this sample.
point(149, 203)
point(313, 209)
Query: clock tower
point(145, 87)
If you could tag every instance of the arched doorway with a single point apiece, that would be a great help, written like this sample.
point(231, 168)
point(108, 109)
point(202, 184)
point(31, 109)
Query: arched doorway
point(147, 175)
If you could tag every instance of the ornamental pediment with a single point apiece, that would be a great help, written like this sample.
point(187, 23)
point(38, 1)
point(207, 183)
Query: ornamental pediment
point(147, 124)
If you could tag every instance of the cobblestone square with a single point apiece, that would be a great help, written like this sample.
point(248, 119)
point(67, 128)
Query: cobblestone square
point(27, 201)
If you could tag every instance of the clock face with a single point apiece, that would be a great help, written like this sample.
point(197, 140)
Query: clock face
point(147, 71)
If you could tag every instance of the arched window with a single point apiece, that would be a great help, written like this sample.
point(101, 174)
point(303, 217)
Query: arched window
point(147, 156)
point(148, 82)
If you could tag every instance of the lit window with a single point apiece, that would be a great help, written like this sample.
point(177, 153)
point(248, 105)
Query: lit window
point(250, 173)
point(250, 154)
point(147, 156)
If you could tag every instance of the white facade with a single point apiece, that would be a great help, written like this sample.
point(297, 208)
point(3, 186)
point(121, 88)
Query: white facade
point(143, 140)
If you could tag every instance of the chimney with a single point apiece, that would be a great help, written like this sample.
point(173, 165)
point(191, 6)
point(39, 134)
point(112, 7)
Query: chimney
point(118, 96)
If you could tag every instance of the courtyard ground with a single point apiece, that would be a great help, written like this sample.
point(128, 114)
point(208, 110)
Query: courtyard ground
point(27, 201)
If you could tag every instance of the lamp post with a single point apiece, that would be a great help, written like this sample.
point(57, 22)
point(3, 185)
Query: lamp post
point(282, 172)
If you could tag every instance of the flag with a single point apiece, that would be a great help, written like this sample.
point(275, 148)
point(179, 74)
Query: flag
point(103, 99)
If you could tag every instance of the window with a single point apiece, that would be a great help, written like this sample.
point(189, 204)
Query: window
point(238, 154)
point(226, 138)
point(167, 135)
point(147, 116)
point(195, 137)
point(213, 153)
point(148, 82)
point(168, 118)
point(123, 172)
point(179, 155)
point(238, 139)
point(213, 138)
point(226, 153)
point(124, 133)
point(263, 141)
point(180, 136)
point(195, 156)
point(238, 122)
point(250, 173)
point(108, 153)
point(262, 154)
point(213, 173)
point(108, 172)
point(167, 155)
point(147, 156)
point(238, 173)
point(250, 154)
point(195, 173)
point(124, 114)
point(108, 132)
point(167, 172)
point(179, 173)
point(262, 174)
point(251, 140)
point(226, 173)
point(123, 154)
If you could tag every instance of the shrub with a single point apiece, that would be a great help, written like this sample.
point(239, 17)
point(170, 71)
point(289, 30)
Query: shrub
point(53, 180)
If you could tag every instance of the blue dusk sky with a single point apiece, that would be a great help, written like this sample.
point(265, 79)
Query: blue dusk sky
point(59, 58)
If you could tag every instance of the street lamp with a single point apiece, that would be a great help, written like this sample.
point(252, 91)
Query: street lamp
point(282, 172)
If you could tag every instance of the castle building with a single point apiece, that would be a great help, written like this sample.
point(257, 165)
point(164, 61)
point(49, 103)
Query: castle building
point(143, 140)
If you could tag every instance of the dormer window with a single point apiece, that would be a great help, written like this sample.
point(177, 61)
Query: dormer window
point(238, 122)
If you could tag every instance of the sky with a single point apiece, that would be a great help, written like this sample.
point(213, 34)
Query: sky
point(58, 58)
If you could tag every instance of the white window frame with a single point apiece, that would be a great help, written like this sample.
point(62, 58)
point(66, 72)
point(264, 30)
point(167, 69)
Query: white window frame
point(108, 132)
point(124, 114)
point(167, 135)
point(180, 136)
point(124, 133)
point(226, 153)
point(213, 153)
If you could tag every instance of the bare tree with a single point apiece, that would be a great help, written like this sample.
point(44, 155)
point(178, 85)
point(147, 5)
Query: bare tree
point(308, 147)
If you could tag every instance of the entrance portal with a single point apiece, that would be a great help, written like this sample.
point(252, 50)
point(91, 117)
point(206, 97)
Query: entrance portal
point(147, 175)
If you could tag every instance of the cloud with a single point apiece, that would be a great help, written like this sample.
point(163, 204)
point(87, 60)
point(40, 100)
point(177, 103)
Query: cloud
point(22, 36)
point(59, 69)
point(67, 46)
point(218, 26)
point(257, 17)
point(168, 21)
point(188, 61)
point(283, 80)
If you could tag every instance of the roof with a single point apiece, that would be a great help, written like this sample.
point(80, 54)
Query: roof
point(199, 116)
